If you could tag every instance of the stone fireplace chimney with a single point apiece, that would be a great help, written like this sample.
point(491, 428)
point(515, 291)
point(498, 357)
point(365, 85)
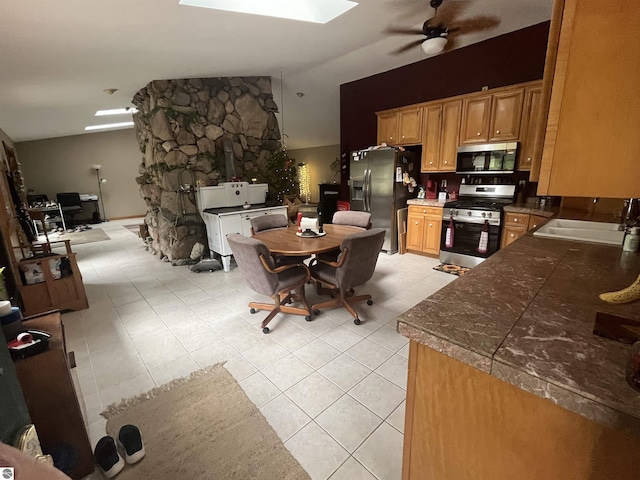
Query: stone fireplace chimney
point(182, 128)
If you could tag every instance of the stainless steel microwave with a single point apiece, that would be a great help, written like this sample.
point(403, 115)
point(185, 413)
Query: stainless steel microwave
point(489, 158)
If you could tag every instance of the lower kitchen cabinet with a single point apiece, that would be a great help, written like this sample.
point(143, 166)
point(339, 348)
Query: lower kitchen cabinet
point(424, 225)
point(517, 224)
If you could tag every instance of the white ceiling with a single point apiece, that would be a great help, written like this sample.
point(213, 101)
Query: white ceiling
point(56, 57)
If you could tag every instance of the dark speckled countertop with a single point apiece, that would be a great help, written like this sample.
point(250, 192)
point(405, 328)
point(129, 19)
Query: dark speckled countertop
point(526, 316)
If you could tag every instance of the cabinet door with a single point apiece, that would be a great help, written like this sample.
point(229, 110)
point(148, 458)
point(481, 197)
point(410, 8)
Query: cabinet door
point(451, 112)
point(510, 233)
point(388, 128)
point(415, 231)
point(536, 221)
point(530, 126)
point(410, 126)
point(433, 226)
point(506, 113)
point(475, 120)
point(431, 144)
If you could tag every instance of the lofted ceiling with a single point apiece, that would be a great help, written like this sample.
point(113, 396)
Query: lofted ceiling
point(57, 57)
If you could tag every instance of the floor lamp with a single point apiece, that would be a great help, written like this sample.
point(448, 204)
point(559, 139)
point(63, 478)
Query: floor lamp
point(100, 182)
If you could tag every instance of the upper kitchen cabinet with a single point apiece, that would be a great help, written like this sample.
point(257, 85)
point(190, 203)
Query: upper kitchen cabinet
point(530, 128)
point(492, 118)
point(388, 128)
point(591, 145)
point(401, 126)
point(475, 120)
point(441, 127)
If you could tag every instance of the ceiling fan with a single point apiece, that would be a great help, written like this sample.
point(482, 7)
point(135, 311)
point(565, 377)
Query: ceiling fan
point(441, 31)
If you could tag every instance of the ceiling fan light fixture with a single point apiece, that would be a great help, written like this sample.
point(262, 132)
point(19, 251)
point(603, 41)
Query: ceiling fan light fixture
point(434, 45)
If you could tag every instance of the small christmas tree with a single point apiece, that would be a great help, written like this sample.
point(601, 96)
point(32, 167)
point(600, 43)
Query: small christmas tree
point(282, 175)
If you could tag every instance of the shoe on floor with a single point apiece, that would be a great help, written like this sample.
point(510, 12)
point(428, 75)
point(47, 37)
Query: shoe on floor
point(107, 457)
point(130, 440)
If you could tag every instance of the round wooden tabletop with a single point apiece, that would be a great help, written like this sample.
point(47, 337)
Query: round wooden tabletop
point(284, 241)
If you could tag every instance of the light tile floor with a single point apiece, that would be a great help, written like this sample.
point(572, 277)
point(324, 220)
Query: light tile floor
point(333, 391)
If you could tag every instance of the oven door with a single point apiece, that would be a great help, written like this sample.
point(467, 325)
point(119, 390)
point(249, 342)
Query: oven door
point(466, 237)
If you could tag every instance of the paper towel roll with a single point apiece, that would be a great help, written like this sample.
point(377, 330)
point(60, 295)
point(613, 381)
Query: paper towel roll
point(5, 308)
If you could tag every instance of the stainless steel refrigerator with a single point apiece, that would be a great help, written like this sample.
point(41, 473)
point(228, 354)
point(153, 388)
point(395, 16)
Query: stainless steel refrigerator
point(376, 186)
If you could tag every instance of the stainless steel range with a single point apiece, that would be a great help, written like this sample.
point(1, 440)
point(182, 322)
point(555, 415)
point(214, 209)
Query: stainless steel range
point(471, 224)
point(229, 208)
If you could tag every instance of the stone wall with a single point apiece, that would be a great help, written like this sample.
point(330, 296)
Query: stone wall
point(183, 127)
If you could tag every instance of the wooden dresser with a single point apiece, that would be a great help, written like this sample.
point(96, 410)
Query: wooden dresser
point(52, 402)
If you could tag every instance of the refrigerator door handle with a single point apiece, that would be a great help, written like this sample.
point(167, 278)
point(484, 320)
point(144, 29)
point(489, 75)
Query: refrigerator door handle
point(367, 192)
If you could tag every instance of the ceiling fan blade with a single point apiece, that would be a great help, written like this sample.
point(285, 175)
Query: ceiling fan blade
point(450, 11)
point(407, 47)
point(403, 31)
point(478, 23)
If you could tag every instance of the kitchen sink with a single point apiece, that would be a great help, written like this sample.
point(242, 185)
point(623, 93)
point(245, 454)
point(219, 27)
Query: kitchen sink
point(594, 232)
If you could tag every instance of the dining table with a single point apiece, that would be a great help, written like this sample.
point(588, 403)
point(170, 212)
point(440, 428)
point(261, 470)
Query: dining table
point(284, 241)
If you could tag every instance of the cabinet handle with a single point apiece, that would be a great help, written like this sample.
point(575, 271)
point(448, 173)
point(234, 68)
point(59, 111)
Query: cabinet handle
point(528, 159)
point(417, 223)
point(430, 163)
point(534, 226)
point(515, 220)
point(497, 131)
point(478, 134)
point(403, 136)
point(390, 138)
point(446, 162)
point(424, 211)
point(431, 224)
point(513, 235)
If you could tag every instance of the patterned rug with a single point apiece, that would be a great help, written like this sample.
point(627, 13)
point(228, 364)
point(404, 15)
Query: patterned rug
point(452, 269)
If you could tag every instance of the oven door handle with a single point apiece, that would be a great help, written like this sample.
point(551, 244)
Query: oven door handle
point(492, 223)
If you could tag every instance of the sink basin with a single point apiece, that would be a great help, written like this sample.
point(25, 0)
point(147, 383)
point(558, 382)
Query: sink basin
point(594, 232)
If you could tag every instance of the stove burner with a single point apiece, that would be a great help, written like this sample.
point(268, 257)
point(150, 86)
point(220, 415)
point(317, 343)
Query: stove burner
point(478, 204)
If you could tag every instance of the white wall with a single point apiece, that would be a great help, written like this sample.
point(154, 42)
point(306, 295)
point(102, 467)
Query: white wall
point(318, 159)
point(63, 164)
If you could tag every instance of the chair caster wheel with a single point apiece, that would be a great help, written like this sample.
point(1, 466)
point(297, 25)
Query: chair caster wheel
point(308, 318)
point(265, 330)
point(252, 311)
point(369, 302)
point(357, 321)
point(316, 312)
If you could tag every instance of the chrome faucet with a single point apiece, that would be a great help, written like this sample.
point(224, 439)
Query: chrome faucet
point(630, 213)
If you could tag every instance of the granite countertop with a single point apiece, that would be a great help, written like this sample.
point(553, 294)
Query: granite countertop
point(531, 209)
point(238, 209)
point(424, 202)
point(526, 316)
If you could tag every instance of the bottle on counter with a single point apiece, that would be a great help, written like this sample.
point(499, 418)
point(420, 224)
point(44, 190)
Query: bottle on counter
point(483, 245)
point(631, 241)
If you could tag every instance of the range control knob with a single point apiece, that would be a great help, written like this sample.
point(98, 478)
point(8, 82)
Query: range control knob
point(484, 215)
point(489, 214)
point(469, 213)
point(452, 212)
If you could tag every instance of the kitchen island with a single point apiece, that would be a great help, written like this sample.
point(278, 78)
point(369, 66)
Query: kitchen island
point(506, 378)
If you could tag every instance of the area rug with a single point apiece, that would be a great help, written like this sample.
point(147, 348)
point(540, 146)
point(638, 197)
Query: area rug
point(202, 427)
point(85, 236)
point(452, 269)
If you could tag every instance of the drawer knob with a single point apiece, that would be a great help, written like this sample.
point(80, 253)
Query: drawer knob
point(431, 224)
point(424, 211)
point(513, 235)
point(446, 162)
point(403, 136)
point(497, 131)
point(478, 134)
point(528, 159)
point(515, 220)
point(430, 163)
point(417, 223)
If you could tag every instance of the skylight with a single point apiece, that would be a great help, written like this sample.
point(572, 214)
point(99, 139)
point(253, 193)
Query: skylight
point(116, 111)
point(317, 11)
point(109, 125)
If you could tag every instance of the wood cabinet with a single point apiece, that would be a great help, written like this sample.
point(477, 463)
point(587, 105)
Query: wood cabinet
point(57, 282)
point(592, 146)
point(529, 128)
point(441, 128)
point(388, 128)
point(457, 417)
point(424, 225)
point(45, 380)
point(492, 118)
point(400, 127)
point(517, 224)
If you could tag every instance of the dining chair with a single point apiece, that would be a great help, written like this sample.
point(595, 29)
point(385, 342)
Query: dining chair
point(268, 222)
point(353, 218)
point(70, 203)
point(347, 217)
point(263, 276)
point(354, 267)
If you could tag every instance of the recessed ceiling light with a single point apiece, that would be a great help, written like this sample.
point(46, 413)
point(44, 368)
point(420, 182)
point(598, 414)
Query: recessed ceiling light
point(116, 111)
point(109, 125)
point(317, 11)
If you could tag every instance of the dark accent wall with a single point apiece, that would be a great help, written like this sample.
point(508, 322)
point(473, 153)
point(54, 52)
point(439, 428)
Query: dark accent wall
point(505, 60)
